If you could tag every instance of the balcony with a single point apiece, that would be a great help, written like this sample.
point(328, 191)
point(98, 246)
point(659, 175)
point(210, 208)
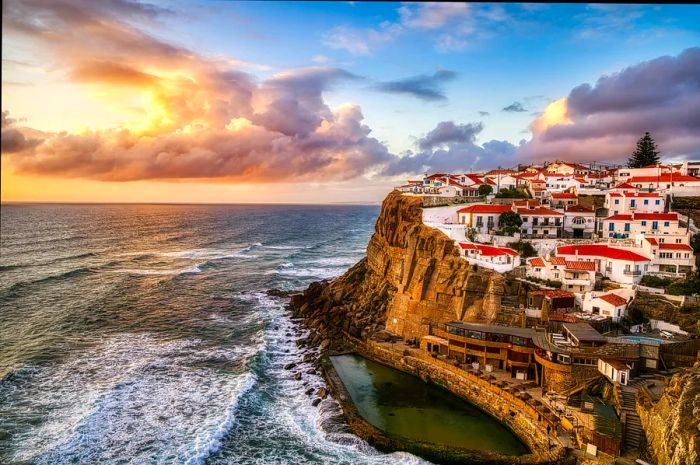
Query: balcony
point(577, 282)
point(632, 272)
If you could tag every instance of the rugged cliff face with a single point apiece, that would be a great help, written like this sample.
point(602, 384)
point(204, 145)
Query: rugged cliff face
point(412, 275)
point(672, 425)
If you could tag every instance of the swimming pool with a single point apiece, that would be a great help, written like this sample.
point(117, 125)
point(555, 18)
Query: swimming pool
point(649, 340)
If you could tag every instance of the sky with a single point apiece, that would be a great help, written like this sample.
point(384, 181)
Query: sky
point(329, 102)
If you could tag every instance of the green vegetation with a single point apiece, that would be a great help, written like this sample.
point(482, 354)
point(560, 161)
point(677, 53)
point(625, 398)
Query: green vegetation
point(695, 243)
point(634, 317)
point(471, 234)
point(524, 248)
point(645, 154)
point(507, 193)
point(655, 281)
point(690, 286)
point(546, 282)
point(510, 223)
point(485, 189)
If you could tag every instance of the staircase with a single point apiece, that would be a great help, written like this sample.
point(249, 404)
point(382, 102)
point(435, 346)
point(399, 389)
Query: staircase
point(633, 426)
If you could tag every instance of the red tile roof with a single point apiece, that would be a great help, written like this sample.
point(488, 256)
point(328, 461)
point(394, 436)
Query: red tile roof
point(620, 218)
point(651, 240)
point(467, 246)
point(538, 211)
point(564, 195)
point(613, 299)
point(665, 246)
point(536, 261)
point(624, 185)
point(578, 209)
point(580, 265)
point(601, 250)
point(557, 260)
point(485, 208)
point(491, 251)
point(665, 177)
point(656, 216)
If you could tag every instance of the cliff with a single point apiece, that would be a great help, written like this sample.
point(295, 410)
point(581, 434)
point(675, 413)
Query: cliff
point(672, 424)
point(412, 275)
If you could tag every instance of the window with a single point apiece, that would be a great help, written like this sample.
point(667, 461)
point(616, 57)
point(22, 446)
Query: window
point(578, 220)
point(633, 203)
point(646, 201)
point(644, 223)
point(654, 225)
point(617, 201)
point(658, 202)
point(627, 227)
point(667, 224)
point(678, 241)
point(611, 226)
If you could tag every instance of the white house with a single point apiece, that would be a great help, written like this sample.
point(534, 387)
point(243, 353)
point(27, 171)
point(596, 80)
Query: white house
point(482, 217)
point(541, 222)
point(501, 259)
point(616, 371)
point(576, 276)
point(649, 170)
point(670, 257)
point(610, 304)
point(620, 265)
point(562, 200)
point(579, 222)
point(629, 225)
point(626, 202)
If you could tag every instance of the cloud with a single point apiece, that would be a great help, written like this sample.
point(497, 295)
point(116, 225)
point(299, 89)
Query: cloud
point(452, 147)
point(361, 41)
point(13, 139)
point(432, 15)
point(200, 117)
point(516, 107)
point(483, 113)
point(424, 87)
point(603, 121)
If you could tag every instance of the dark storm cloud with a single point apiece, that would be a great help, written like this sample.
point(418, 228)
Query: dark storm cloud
point(515, 107)
point(424, 87)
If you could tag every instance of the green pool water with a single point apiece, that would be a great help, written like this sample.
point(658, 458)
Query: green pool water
point(403, 405)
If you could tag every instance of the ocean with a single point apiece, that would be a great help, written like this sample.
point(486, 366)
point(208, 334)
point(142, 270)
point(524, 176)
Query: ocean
point(143, 334)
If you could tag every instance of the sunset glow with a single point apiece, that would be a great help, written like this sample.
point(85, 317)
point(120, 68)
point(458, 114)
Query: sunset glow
point(140, 102)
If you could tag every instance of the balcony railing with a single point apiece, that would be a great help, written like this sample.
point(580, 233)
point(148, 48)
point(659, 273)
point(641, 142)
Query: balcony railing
point(632, 272)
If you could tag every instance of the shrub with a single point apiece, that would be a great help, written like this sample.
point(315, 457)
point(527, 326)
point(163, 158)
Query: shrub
point(690, 286)
point(655, 281)
point(525, 249)
point(485, 189)
point(507, 193)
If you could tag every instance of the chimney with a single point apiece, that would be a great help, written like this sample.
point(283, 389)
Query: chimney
point(577, 254)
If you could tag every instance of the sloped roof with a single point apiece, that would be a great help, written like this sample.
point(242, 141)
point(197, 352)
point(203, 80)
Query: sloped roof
point(564, 195)
point(613, 299)
point(665, 177)
point(665, 246)
point(485, 208)
point(601, 250)
point(578, 209)
point(538, 211)
point(536, 261)
point(583, 265)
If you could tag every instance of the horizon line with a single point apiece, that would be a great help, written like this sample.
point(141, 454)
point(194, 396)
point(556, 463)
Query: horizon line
point(42, 202)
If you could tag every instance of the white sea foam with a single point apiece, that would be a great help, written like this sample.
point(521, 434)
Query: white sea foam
point(136, 399)
point(156, 272)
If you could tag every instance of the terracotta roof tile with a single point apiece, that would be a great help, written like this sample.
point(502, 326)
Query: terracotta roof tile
point(601, 250)
point(613, 299)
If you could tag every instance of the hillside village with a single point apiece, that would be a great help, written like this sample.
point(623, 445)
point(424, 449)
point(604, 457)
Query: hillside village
point(588, 241)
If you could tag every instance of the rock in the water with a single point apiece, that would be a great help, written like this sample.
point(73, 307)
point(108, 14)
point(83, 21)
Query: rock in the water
point(289, 366)
point(297, 376)
point(322, 392)
point(316, 401)
point(309, 391)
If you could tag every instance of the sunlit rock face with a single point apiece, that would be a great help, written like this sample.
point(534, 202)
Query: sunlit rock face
point(672, 425)
point(412, 275)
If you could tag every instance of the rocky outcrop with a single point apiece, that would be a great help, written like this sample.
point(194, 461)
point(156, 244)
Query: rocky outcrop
point(672, 424)
point(412, 275)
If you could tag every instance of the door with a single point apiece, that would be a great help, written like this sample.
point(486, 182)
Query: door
point(623, 378)
point(578, 233)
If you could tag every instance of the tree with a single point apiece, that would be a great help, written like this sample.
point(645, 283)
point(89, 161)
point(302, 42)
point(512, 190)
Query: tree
point(645, 154)
point(510, 218)
point(695, 243)
point(508, 193)
point(524, 248)
point(485, 189)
